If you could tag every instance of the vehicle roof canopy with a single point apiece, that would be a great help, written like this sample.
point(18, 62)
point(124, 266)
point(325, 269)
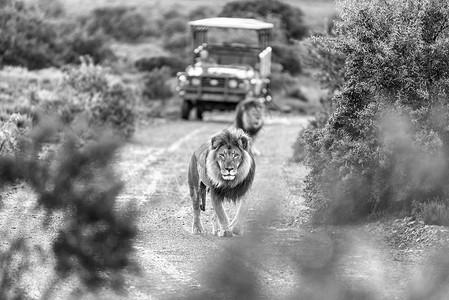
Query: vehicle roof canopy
point(237, 23)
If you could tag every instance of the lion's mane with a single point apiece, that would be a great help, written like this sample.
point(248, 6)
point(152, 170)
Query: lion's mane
point(242, 109)
point(231, 190)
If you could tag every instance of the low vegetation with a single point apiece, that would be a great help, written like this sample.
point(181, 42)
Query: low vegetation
point(75, 192)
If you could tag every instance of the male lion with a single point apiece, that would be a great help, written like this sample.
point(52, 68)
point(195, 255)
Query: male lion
point(225, 167)
point(249, 118)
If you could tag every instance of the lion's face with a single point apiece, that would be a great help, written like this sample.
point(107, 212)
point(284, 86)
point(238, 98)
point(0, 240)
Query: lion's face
point(253, 116)
point(229, 159)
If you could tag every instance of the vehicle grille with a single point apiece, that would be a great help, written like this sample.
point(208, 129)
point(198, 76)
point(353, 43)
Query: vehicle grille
point(207, 82)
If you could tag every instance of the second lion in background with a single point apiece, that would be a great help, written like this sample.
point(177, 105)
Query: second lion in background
point(249, 118)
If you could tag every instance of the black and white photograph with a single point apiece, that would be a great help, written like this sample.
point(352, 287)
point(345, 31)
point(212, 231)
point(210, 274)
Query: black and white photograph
point(224, 149)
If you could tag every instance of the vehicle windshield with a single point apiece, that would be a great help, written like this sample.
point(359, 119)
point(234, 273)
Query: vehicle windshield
point(242, 37)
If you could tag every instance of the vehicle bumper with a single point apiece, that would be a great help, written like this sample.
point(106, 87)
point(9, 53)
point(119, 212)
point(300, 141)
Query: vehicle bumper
point(210, 97)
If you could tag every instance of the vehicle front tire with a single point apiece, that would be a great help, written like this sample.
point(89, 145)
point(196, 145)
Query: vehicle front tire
point(185, 109)
point(199, 112)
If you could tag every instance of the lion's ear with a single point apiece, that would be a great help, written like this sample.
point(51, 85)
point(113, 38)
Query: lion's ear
point(215, 142)
point(245, 140)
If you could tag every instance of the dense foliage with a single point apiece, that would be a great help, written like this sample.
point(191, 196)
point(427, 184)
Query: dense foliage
point(292, 18)
point(386, 143)
point(89, 93)
point(288, 58)
point(156, 84)
point(30, 40)
point(123, 23)
point(148, 64)
point(94, 241)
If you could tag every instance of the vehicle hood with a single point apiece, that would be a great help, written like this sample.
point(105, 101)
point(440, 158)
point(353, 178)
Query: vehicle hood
point(242, 72)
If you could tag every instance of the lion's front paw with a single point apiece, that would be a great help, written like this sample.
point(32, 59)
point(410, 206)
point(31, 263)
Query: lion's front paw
point(238, 230)
point(226, 233)
point(197, 228)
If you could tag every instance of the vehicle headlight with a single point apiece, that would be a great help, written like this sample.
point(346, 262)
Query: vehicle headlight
point(232, 83)
point(195, 81)
point(194, 71)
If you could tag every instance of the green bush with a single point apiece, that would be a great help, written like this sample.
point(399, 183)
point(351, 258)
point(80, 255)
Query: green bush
point(33, 41)
point(434, 212)
point(11, 133)
point(149, 64)
point(155, 84)
point(26, 39)
point(288, 58)
point(202, 12)
point(386, 141)
point(120, 22)
point(88, 91)
point(78, 43)
point(94, 243)
point(51, 8)
point(177, 43)
point(174, 25)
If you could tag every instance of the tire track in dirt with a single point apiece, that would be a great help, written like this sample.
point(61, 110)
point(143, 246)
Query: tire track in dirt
point(144, 158)
point(143, 172)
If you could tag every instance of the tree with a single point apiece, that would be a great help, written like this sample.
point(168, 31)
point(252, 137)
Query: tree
point(386, 143)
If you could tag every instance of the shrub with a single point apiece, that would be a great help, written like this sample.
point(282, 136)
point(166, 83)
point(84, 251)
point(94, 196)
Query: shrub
point(32, 41)
point(385, 143)
point(202, 12)
point(78, 43)
point(155, 84)
point(51, 8)
point(94, 243)
point(288, 57)
point(27, 39)
point(88, 91)
point(174, 25)
point(434, 212)
point(11, 133)
point(177, 43)
point(120, 22)
point(292, 18)
point(151, 63)
point(282, 81)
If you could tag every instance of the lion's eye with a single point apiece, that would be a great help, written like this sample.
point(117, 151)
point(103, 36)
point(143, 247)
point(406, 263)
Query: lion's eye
point(221, 155)
point(236, 155)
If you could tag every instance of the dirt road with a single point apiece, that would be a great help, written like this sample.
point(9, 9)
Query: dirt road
point(269, 260)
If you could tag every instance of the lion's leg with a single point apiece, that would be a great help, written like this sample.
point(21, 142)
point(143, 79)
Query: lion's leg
point(221, 215)
point(240, 216)
point(197, 227)
point(203, 196)
point(215, 225)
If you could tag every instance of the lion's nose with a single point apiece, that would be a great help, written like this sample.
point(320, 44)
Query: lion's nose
point(229, 169)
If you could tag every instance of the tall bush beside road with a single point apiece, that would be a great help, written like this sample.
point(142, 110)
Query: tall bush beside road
point(89, 92)
point(74, 201)
point(386, 143)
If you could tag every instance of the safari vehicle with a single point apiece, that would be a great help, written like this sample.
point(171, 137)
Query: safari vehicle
point(231, 60)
